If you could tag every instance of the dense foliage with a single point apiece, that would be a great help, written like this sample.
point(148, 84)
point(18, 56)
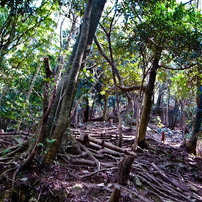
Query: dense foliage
point(139, 31)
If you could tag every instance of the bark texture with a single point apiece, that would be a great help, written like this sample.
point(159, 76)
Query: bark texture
point(105, 111)
point(124, 169)
point(191, 145)
point(64, 115)
point(116, 194)
point(90, 20)
point(96, 12)
point(148, 101)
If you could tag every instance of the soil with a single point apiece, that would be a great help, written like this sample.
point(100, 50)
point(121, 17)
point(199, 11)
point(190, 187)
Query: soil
point(162, 172)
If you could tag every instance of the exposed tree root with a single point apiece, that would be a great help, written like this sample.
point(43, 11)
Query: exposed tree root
point(2, 176)
point(95, 172)
point(91, 156)
point(159, 173)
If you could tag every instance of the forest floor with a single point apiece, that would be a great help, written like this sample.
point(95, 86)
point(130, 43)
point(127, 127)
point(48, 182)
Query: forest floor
point(162, 172)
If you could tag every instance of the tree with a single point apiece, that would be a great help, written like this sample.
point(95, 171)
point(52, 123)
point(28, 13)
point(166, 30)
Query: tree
point(191, 144)
point(21, 21)
point(78, 57)
point(96, 13)
point(115, 72)
point(169, 34)
point(25, 30)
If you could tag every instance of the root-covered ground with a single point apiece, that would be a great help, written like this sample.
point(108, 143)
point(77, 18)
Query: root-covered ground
point(162, 172)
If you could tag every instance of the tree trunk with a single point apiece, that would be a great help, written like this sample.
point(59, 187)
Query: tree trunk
point(118, 109)
point(97, 9)
point(183, 120)
point(5, 89)
point(105, 112)
point(124, 169)
point(65, 110)
point(191, 145)
point(174, 115)
point(92, 111)
point(164, 114)
point(135, 105)
point(147, 102)
point(168, 108)
point(114, 70)
point(137, 124)
point(60, 90)
point(116, 194)
point(158, 103)
point(159, 110)
point(129, 107)
point(114, 107)
point(86, 111)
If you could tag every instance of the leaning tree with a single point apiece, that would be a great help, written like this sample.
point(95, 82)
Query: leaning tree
point(59, 119)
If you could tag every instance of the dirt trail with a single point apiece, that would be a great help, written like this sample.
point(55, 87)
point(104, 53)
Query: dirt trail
point(163, 172)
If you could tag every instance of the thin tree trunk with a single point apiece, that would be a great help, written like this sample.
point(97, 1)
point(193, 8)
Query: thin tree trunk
point(86, 110)
point(174, 115)
point(168, 108)
point(164, 114)
point(191, 144)
point(118, 109)
point(147, 102)
point(92, 109)
point(5, 89)
point(111, 63)
point(159, 100)
point(137, 124)
point(105, 111)
point(80, 99)
point(183, 119)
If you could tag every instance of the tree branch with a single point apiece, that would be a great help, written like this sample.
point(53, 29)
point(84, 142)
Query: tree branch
point(102, 52)
point(182, 68)
point(132, 88)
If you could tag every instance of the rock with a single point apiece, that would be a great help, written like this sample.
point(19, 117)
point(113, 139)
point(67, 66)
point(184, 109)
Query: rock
point(77, 188)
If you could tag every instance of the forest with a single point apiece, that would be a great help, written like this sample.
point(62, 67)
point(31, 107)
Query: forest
point(100, 100)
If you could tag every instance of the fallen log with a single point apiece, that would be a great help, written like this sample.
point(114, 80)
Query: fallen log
point(98, 135)
point(96, 131)
point(109, 151)
point(102, 135)
point(103, 129)
point(88, 138)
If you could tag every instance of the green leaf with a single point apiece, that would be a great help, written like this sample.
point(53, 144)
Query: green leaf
point(40, 144)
